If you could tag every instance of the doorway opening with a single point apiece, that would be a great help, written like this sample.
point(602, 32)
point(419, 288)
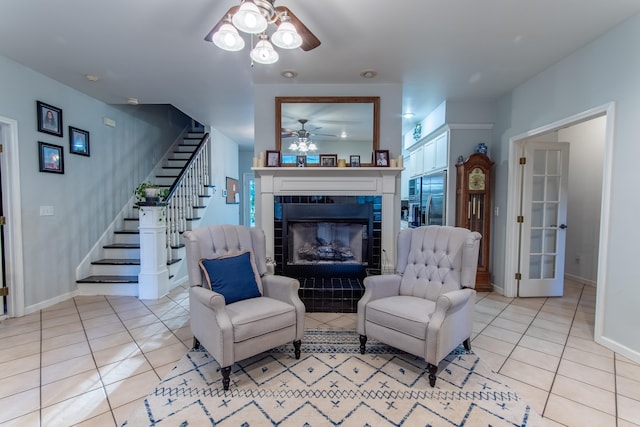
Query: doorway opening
point(514, 192)
point(11, 232)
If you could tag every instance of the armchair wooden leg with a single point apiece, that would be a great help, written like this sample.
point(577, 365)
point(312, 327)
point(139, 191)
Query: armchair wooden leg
point(296, 348)
point(226, 371)
point(432, 374)
point(196, 343)
point(363, 341)
point(467, 344)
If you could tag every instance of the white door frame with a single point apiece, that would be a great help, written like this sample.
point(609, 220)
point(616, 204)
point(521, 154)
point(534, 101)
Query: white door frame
point(13, 206)
point(513, 196)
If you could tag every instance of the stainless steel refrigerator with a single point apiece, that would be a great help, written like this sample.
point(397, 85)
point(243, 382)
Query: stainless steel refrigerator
point(432, 199)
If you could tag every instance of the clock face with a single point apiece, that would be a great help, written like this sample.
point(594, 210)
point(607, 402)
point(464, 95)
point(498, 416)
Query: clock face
point(476, 179)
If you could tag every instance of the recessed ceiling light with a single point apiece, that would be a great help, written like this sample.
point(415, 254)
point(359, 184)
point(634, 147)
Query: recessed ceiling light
point(132, 101)
point(408, 115)
point(368, 74)
point(289, 74)
point(91, 77)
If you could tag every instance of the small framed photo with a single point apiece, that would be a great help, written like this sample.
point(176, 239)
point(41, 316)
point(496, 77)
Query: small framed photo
point(78, 141)
point(273, 159)
point(354, 161)
point(329, 160)
point(301, 161)
point(49, 118)
point(382, 158)
point(51, 158)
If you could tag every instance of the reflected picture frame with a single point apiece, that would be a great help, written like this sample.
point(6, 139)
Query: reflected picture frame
point(49, 118)
point(354, 161)
point(328, 160)
point(79, 141)
point(51, 158)
point(301, 161)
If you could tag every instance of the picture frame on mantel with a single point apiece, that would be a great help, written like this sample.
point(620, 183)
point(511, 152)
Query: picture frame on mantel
point(273, 159)
point(354, 161)
point(381, 158)
point(329, 160)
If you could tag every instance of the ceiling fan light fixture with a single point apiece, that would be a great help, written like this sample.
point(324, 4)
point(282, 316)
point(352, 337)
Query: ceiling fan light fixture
point(228, 38)
point(293, 146)
point(264, 53)
point(249, 19)
point(312, 146)
point(286, 37)
point(302, 147)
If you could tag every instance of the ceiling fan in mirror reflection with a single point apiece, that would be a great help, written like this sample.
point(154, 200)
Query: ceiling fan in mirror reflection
point(302, 137)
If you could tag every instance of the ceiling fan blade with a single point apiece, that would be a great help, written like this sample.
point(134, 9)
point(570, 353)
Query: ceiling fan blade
point(309, 40)
point(233, 10)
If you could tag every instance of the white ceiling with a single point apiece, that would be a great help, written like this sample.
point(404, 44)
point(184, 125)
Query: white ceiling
point(154, 50)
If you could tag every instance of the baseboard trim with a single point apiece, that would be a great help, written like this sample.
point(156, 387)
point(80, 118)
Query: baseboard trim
point(50, 302)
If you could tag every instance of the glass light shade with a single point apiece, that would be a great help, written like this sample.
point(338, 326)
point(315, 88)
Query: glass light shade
point(293, 146)
point(227, 38)
point(286, 36)
point(264, 53)
point(312, 146)
point(249, 19)
point(302, 147)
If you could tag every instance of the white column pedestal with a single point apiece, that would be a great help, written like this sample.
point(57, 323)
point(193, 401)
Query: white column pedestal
point(153, 280)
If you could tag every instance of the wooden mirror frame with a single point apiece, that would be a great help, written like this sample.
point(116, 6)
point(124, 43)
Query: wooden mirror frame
point(375, 100)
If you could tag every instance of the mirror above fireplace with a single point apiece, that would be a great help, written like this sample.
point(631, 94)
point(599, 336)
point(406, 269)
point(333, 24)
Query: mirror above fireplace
point(339, 125)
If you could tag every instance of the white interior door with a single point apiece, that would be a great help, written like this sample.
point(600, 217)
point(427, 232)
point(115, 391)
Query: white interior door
point(543, 219)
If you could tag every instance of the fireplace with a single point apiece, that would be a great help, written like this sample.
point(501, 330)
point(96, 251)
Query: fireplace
point(338, 287)
point(327, 239)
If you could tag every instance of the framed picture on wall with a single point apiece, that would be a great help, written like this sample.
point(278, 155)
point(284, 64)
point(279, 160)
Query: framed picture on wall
point(78, 141)
point(232, 191)
point(49, 118)
point(51, 158)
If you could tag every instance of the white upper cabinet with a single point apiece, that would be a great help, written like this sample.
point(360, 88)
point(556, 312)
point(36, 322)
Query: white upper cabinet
point(417, 161)
point(431, 156)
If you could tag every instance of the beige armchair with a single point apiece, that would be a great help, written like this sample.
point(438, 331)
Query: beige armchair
point(235, 331)
point(426, 308)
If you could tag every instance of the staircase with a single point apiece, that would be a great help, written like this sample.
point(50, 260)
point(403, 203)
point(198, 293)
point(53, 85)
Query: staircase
point(185, 171)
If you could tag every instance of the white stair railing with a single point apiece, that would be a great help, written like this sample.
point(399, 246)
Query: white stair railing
point(185, 192)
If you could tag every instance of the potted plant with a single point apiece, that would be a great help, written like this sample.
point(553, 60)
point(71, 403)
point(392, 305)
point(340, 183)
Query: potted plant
point(147, 192)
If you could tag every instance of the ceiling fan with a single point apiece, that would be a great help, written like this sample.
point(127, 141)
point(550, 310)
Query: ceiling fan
point(253, 17)
point(302, 132)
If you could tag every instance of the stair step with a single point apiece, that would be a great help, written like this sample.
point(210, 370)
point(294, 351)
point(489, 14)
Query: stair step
point(122, 246)
point(117, 261)
point(173, 261)
point(109, 279)
point(126, 232)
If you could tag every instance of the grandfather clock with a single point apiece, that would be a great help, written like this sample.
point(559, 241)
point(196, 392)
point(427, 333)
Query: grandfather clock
point(473, 208)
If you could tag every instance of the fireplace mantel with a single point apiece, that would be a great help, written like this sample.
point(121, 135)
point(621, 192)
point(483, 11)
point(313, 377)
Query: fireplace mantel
point(323, 181)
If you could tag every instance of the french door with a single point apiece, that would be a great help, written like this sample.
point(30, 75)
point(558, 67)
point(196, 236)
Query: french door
point(542, 218)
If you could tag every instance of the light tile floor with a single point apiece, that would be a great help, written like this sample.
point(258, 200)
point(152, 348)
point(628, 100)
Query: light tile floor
point(90, 360)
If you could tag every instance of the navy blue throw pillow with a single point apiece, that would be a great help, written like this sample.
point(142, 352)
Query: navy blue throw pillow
point(231, 276)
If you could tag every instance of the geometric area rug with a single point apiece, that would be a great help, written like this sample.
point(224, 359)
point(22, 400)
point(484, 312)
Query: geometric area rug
point(332, 384)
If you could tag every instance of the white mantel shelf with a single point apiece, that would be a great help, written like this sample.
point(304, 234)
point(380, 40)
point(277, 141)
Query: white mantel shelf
point(325, 181)
point(328, 181)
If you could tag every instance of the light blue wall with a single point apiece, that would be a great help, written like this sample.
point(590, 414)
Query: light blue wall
point(92, 190)
point(605, 70)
